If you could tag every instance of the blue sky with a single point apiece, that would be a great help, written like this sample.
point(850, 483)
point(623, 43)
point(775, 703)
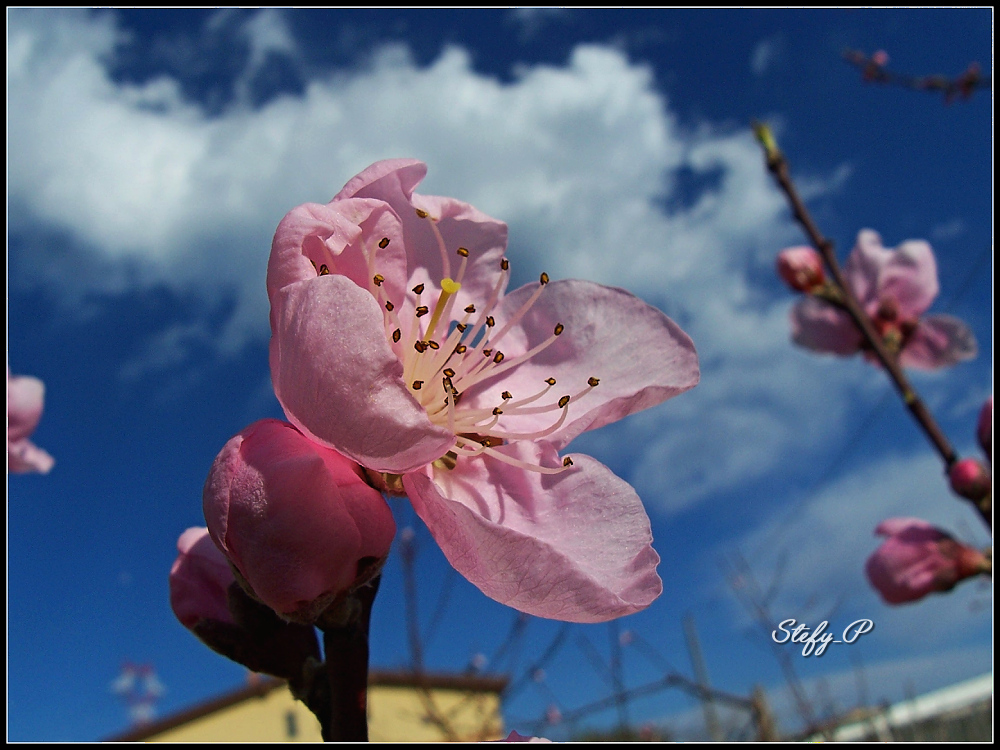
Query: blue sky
point(151, 154)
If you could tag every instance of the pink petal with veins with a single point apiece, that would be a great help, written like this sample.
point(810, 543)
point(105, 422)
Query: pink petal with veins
point(340, 382)
point(639, 355)
point(584, 532)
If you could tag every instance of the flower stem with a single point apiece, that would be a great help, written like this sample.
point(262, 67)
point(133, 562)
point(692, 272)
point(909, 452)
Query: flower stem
point(345, 649)
point(777, 165)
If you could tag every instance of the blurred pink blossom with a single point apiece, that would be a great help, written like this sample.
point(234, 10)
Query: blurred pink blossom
point(25, 399)
point(199, 580)
point(297, 520)
point(394, 343)
point(918, 559)
point(895, 288)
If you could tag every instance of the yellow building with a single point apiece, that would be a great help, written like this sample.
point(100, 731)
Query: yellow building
point(402, 707)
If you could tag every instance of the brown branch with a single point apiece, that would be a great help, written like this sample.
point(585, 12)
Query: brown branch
point(873, 70)
point(777, 165)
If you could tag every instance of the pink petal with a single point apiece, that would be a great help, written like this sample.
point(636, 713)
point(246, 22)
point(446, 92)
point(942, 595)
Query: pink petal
point(819, 326)
point(640, 356)
point(911, 277)
point(340, 236)
point(938, 341)
point(574, 546)
point(25, 400)
point(199, 580)
point(460, 225)
point(24, 456)
point(339, 381)
point(908, 274)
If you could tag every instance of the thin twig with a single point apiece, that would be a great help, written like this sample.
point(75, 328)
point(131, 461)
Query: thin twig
point(778, 166)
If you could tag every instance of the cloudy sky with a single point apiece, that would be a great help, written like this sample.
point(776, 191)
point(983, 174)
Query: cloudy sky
point(151, 154)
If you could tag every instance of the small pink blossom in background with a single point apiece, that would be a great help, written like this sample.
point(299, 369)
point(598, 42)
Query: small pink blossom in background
point(199, 580)
point(895, 288)
point(984, 429)
point(393, 342)
point(297, 520)
point(918, 559)
point(801, 268)
point(880, 58)
point(25, 400)
point(970, 479)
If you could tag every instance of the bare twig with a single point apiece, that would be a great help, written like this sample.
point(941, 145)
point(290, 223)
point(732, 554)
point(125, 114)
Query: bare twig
point(873, 70)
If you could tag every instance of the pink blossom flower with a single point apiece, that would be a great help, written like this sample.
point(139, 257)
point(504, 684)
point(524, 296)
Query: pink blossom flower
point(895, 288)
point(918, 559)
point(801, 268)
point(199, 580)
point(297, 520)
point(393, 341)
point(25, 399)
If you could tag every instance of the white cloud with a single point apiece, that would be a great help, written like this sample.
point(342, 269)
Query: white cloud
point(580, 159)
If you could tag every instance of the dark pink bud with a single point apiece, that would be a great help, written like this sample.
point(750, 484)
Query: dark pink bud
point(199, 580)
point(984, 430)
point(801, 268)
point(880, 58)
point(970, 479)
point(918, 559)
point(297, 520)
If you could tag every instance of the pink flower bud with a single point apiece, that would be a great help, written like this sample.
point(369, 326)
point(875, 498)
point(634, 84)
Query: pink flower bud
point(25, 399)
point(199, 580)
point(297, 520)
point(801, 268)
point(970, 479)
point(984, 430)
point(880, 58)
point(918, 559)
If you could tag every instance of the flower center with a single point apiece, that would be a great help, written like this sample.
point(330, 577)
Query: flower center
point(445, 352)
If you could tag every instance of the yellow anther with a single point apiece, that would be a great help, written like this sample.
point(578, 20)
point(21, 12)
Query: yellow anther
point(497, 411)
point(567, 461)
point(563, 401)
point(378, 279)
point(464, 252)
point(559, 329)
point(506, 396)
point(418, 289)
point(418, 384)
point(422, 310)
point(544, 278)
point(434, 345)
point(490, 321)
point(504, 264)
point(498, 357)
point(593, 381)
point(422, 214)
point(389, 306)
point(396, 335)
point(449, 373)
point(550, 381)
point(383, 243)
point(324, 270)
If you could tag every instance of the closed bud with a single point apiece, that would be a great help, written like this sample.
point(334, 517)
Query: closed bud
point(970, 479)
point(801, 268)
point(298, 521)
point(918, 559)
